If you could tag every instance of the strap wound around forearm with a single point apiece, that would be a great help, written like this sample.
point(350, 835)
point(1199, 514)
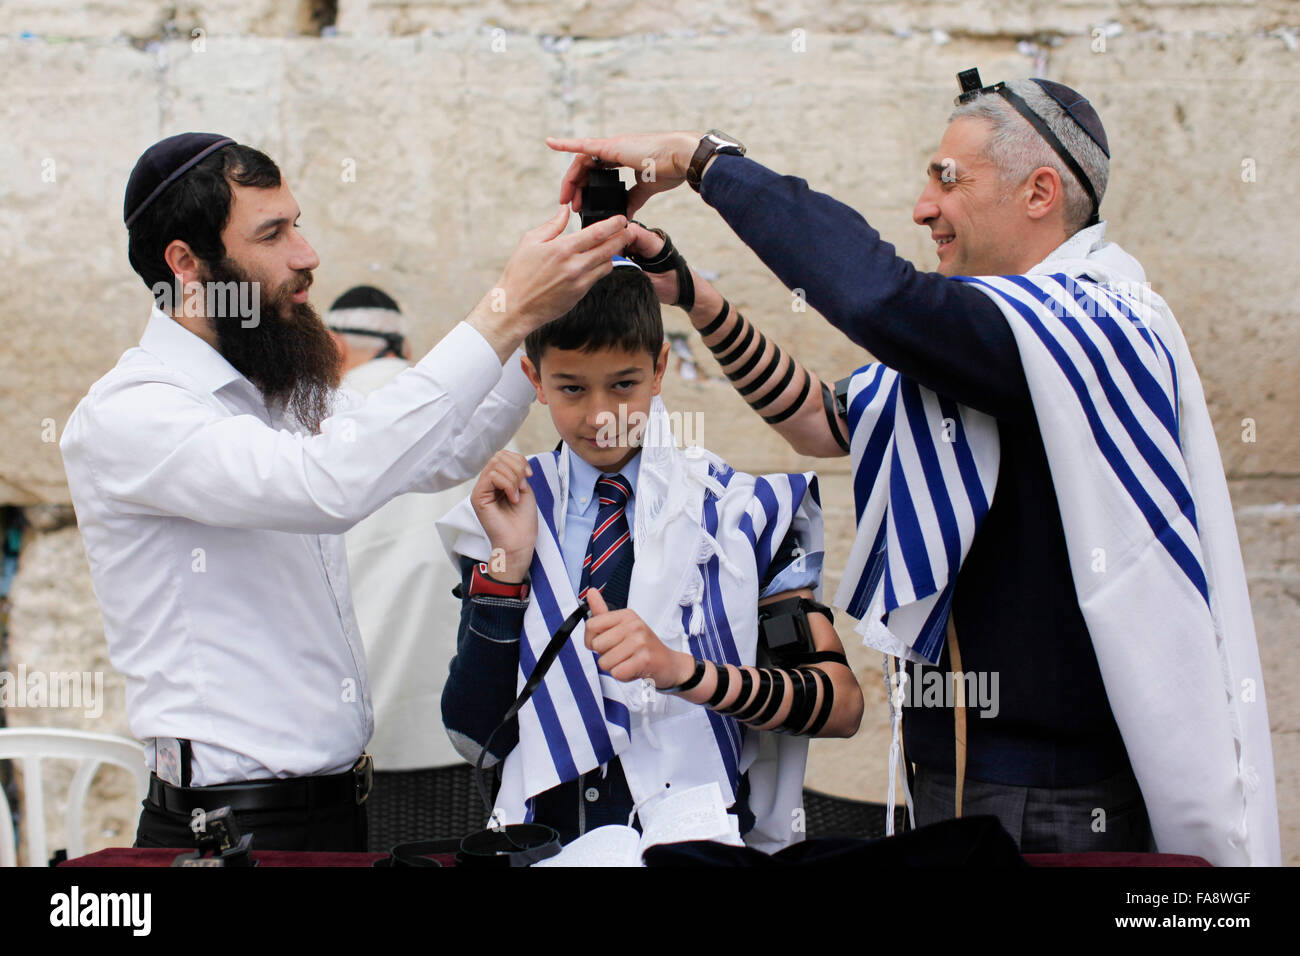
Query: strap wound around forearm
point(827, 705)
point(716, 322)
point(803, 700)
point(724, 682)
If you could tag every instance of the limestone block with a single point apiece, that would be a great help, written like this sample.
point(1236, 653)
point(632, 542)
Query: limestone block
point(1270, 547)
point(69, 302)
point(101, 19)
point(423, 180)
point(985, 18)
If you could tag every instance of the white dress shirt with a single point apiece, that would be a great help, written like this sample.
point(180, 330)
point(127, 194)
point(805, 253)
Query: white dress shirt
point(213, 528)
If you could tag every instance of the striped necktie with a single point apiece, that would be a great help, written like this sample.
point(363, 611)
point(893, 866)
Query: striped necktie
point(610, 538)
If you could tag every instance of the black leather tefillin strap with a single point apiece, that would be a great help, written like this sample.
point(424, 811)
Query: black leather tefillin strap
point(544, 662)
point(669, 260)
point(771, 692)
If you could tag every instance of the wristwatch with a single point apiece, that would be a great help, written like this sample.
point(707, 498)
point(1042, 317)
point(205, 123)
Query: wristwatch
point(711, 143)
point(481, 582)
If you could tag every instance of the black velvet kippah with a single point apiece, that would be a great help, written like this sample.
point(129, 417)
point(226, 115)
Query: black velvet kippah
point(364, 297)
point(162, 164)
point(1080, 110)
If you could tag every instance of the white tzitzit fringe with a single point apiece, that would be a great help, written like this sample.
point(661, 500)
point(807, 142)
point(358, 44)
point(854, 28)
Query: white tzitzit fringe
point(895, 698)
point(672, 483)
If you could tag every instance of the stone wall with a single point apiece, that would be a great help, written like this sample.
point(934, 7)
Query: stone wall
point(411, 134)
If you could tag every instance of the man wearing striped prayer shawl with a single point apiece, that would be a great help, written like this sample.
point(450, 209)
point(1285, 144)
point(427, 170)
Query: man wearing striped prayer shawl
point(1041, 504)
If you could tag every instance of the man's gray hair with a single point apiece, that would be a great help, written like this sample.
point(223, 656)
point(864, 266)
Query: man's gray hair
point(1017, 149)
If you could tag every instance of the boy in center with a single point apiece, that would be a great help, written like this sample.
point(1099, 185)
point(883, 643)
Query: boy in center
point(707, 657)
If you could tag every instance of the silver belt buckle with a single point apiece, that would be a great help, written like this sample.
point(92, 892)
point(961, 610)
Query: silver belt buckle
point(363, 773)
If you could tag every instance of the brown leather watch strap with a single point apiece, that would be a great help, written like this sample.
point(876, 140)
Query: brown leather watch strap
point(695, 172)
point(706, 149)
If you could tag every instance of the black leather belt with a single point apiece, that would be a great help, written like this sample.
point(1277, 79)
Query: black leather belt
point(352, 786)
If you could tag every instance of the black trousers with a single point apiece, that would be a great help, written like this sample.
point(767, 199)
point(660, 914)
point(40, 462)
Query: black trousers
point(1106, 816)
point(337, 828)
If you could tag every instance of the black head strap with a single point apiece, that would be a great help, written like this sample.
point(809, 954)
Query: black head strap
point(971, 88)
point(394, 341)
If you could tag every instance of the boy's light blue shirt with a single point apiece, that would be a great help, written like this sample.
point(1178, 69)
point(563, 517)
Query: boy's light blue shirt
point(582, 507)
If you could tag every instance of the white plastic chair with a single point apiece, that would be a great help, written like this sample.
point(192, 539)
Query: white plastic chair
point(32, 745)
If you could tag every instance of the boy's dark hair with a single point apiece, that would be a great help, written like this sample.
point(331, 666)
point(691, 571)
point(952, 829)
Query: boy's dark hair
point(619, 311)
point(195, 209)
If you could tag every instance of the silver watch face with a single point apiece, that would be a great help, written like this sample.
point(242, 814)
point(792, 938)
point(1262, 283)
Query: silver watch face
point(719, 138)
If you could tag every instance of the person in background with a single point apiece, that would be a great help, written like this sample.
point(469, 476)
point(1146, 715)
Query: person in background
point(401, 585)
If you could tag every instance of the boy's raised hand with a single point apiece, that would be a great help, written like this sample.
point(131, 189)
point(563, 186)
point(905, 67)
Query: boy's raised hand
point(629, 650)
point(504, 503)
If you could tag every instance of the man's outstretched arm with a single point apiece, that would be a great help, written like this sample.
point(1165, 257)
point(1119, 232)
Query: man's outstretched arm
point(944, 334)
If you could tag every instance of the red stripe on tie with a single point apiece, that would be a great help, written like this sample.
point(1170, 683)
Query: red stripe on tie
point(608, 521)
point(612, 548)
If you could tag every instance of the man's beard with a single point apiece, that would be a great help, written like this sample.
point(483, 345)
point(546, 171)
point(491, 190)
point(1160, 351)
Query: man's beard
point(294, 361)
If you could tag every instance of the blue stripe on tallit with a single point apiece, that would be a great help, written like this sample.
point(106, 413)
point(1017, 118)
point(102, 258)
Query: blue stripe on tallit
point(873, 456)
point(929, 642)
point(542, 491)
point(891, 597)
point(616, 712)
point(590, 711)
point(766, 494)
point(1156, 398)
point(746, 526)
point(1155, 519)
point(923, 438)
point(916, 560)
point(766, 497)
point(875, 567)
point(547, 717)
point(1132, 364)
point(859, 402)
point(970, 476)
point(1155, 342)
point(726, 730)
point(1151, 454)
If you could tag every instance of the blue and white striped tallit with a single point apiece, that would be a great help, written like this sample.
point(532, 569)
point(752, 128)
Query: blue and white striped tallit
point(703, 536)
point(924, 470)
point(1148, 525)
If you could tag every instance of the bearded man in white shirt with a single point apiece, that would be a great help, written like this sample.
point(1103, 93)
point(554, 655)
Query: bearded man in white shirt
point(215, 468)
